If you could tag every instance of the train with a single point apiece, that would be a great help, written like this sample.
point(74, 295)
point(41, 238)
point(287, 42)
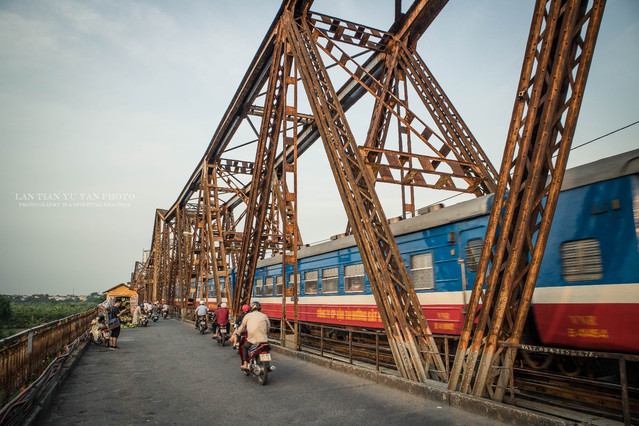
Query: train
point(588, 286)
point(586, 295)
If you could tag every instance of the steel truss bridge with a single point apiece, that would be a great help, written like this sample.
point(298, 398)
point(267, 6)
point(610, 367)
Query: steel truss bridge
point(311, 69)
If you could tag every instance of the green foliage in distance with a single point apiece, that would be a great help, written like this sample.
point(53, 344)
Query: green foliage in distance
point(34, 311)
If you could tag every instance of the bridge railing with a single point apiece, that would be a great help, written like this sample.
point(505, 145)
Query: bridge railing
point(24, 356)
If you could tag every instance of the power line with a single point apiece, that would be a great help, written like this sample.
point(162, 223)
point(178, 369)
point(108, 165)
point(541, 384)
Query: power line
point(603, 136)
point(572, 149)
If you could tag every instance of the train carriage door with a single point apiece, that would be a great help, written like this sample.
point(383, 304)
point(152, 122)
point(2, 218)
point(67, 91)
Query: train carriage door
point(471, 241)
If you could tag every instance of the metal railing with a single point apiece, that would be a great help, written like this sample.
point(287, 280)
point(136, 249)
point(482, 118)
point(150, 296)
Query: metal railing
point(616, 382)
point(612, 394)
point(24, 356)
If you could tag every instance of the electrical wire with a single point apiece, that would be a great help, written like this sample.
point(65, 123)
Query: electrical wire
point(572, 149)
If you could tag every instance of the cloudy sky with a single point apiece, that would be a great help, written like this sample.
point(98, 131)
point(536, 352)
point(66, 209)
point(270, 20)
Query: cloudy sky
point(106, 107)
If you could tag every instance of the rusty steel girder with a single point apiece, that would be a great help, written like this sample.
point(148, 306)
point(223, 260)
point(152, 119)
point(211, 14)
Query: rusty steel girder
point(400, 311)
point(261, 182)
point(555, 68)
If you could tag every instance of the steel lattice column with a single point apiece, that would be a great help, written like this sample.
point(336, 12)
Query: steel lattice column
point(555, 69)
point(400, 311)
point(252, 241)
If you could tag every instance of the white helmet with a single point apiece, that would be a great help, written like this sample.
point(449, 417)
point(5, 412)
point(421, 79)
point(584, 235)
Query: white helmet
point(223, 305)
point(202, 302)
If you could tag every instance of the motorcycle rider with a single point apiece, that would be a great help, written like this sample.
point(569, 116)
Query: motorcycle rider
point(200, 312)
point(257, 325)
point(239, 340)
point(220, 317)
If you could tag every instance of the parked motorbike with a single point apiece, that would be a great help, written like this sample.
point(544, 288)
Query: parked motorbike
point(260, 362)
point(201, 325)
point(100, 333)
point(222, 334)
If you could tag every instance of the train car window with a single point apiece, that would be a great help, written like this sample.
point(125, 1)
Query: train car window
point(581, 260)
point(421, 271)
point(330, 280)
point(310, 282)
point(278, 285)
point(291, 283)
point(258, 290)
point(473, 253)
point(268, 286)
point(354, 278)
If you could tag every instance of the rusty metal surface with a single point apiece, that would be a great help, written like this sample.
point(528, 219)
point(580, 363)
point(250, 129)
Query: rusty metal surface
point(24, 356)
point(554, 73)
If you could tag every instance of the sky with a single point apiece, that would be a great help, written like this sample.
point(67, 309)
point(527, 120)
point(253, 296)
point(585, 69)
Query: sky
point(106, 108)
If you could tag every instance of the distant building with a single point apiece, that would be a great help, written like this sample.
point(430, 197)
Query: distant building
point(122, 290)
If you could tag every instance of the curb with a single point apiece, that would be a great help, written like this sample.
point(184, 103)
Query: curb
point(434, 391)
point(44, 404)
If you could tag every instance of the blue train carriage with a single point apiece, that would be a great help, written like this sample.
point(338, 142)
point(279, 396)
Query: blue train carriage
point(441, 248)
point(587, 293)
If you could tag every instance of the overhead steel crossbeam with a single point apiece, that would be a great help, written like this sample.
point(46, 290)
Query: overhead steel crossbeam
point(555, 68)
point(425, 176)
point(457, 140)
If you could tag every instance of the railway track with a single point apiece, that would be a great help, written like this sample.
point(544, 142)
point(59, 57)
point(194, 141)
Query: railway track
point(563, 385)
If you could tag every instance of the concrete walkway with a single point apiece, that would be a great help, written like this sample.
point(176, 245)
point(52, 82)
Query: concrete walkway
point(169, 374)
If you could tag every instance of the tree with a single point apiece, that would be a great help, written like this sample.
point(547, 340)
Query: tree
point(5, 309)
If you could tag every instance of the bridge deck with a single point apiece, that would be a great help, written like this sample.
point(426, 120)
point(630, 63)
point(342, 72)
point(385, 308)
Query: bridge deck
point(167, 373)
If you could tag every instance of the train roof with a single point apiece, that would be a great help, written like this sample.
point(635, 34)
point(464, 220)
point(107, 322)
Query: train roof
point(607, 168)
point(597, 171)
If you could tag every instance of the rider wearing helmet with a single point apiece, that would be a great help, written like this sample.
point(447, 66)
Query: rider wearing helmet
point(220, 317)
point(200, 312)
point(238, 321)
point(257, 325)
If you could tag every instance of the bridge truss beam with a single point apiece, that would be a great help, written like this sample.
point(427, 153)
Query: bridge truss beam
point(445, 155)
point(555, 68)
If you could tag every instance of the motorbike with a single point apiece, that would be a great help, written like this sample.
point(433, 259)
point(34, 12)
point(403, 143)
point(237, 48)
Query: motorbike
point(236, 340)
point(259, 363)
point(100, 333)
point(222, 334)
point(155, 316)
point(165, 314)
point(144, 320)
point(201, 325)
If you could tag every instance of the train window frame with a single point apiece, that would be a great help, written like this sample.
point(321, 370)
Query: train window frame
point(329, 278)
point(472, 252)
point(290, 282)
point(269, 284)
point(279, 285)
point(353, 274)
point(308, 280)
point(258, 285)
point(581, 260)
point(428, 271)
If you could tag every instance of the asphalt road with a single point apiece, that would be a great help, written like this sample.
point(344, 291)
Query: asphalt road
point(169, 374)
